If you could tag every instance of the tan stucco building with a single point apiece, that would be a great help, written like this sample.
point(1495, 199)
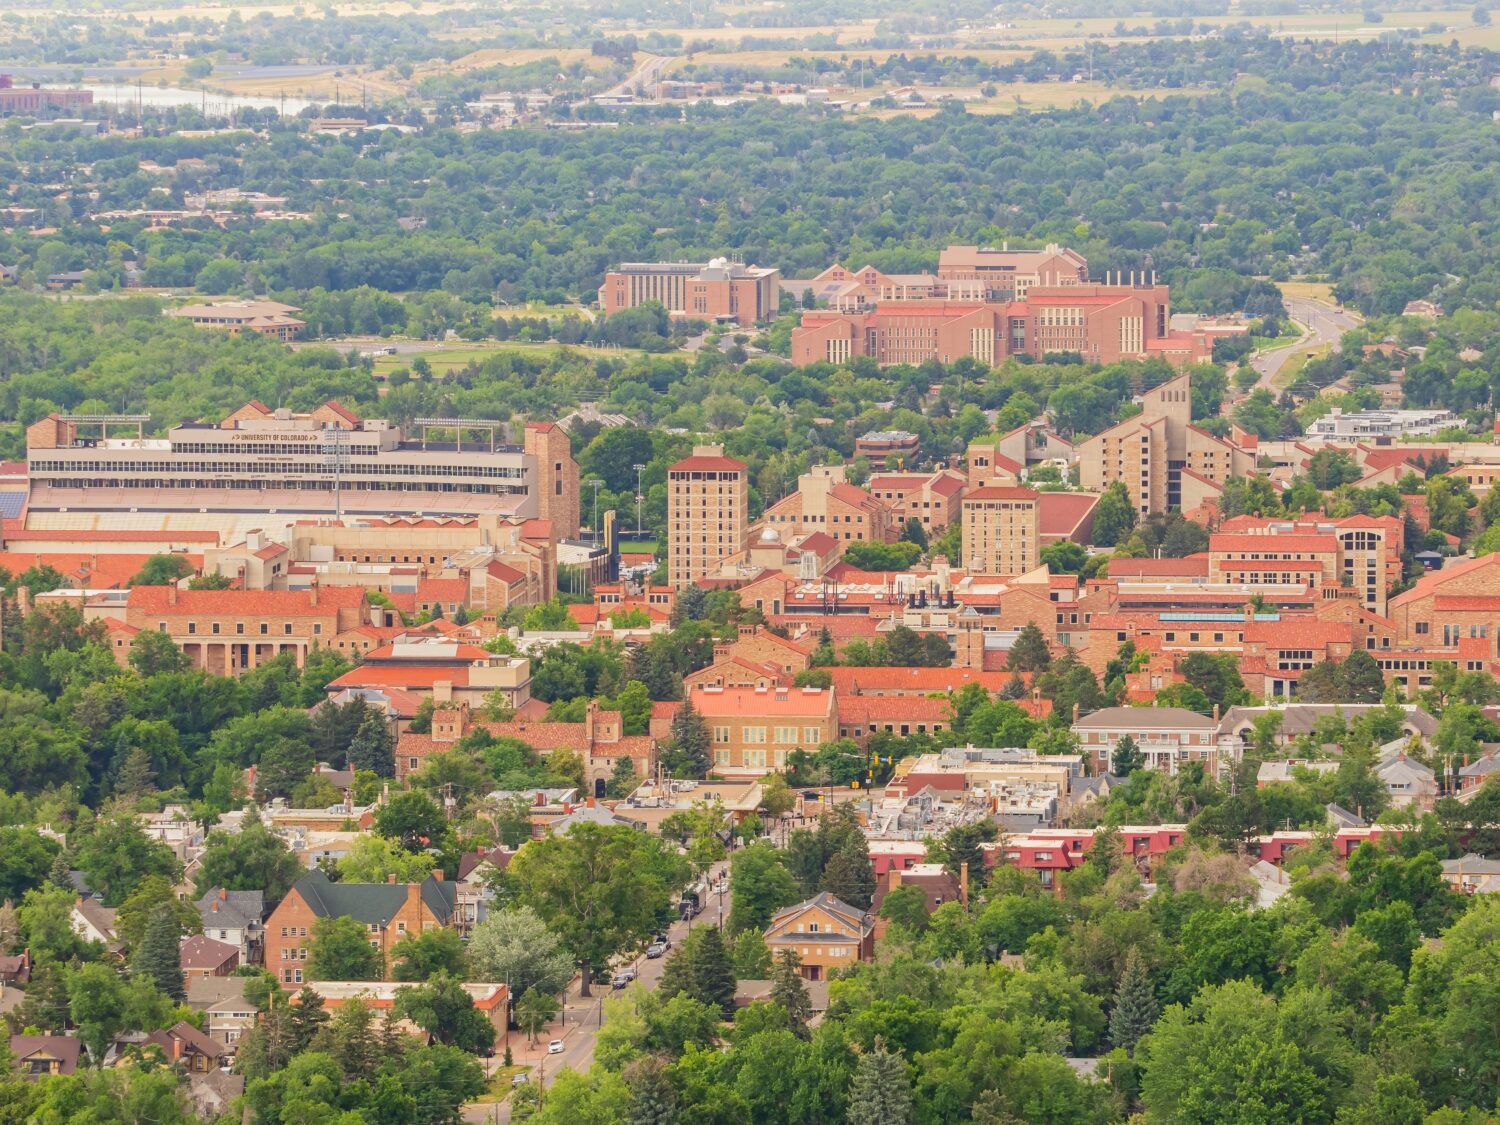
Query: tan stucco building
point(1002, 530)
point(708, 513)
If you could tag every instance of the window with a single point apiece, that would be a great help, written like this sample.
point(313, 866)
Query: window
point(755, 734)
point(811, 736)
point(721, 734)
point(287, 628)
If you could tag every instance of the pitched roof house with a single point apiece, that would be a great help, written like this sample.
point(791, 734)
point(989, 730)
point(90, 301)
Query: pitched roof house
point(39, 1055)
point(825, 932)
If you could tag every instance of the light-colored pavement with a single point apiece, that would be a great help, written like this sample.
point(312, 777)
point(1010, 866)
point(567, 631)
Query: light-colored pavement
point(581, 1015)
point(1325, 324)
point(647, 74)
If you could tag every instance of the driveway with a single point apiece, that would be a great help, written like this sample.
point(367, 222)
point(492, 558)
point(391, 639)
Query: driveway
point(581, 1016)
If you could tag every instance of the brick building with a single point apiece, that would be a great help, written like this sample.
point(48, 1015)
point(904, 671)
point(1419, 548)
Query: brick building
point(933, 499)
point(753, 730)
point(1167, 737)
point(825, 501)
point(229, 631)
point(825, 932)
point(1001, 530)
point(389, 912)
point(886, 449)
point(1163, 460)
point(708, 513)
point(715, 290)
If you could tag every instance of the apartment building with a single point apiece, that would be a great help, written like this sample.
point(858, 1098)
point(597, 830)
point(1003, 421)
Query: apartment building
point(715, 290)
point(260, 464)
point(753, 730)
point(825, 501)
point(388, 911)
point(227, 632)
point(1367, 558)
point(443, 670)
point(1001, 530)
point(1358, 426)
point(708, 513)
point(932, 499)
point(1163, 460)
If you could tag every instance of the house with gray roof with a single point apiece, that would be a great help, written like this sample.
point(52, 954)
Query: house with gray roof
point(235, 917)
point(1167, 737)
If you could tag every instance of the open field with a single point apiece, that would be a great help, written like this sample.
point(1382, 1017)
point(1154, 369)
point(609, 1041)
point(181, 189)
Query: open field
point(1312, 290)
point(1035, 96)
point(536, 308)
point(1287, 374)
point(520, 56)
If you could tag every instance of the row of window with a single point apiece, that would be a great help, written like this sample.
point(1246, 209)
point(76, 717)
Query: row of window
point(317, 466)
point(786, 736)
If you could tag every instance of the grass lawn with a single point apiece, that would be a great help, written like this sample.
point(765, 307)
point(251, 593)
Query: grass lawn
point(1310, 290)
point(646, 548)
point(500, 1087)
point(1289, 371)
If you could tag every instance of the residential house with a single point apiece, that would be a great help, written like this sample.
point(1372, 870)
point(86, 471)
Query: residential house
point(1408, 782)
point(389, 912)
point(825, 932)
point(15, 968)
point(235, 917)
point(40, 1056)
point(490, 998)
point(93, 921)
point(196, 1052)
point(227, 1015)
point(1472, 874)
point(205, 957)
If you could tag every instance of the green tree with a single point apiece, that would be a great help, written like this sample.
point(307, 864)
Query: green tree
point(411, 820)
point(115, 854)
point(446, 1012)
point(252, 859)
point(849, 875)
point(152, 653)
point(1114, 516)
point(688, 754)
point(789, 993)
point(880, 1093)
point(1135, 1009)
point(598, 888)
point(425, 955)
point(1127, 757)
point(759, 886)
point(162, 570)
point(701, 969)
point(906, 906)
point(535, 1010)
point(157, 959)
point(1030, 652)
point(371, 748)
point(516, 946)
point(97, 1004)
point(150, 895)
point(341, 950)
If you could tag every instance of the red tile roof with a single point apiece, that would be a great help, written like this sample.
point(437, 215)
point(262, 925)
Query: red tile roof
point(1274, 544)
point(1298, 632)
point(737, 702)
point(891, 708)
point(22, 535)
point(1429, 584)
point(876, 680)
point(1060, 513)
point(1195, 566)
point(1000, 492)
point(701, 463)
point(404, 677)
point(244, 603)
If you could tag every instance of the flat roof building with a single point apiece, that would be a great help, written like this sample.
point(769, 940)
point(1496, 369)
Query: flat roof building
point(267, 318)
point(260, 463)
point(715, 290)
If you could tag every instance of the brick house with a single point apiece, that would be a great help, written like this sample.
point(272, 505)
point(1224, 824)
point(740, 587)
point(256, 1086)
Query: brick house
point(825, 932)
point(389, 911)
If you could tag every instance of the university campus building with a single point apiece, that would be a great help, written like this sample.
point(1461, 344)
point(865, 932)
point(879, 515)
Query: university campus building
point(990, 305)
point(715, 290)
point(259, 463)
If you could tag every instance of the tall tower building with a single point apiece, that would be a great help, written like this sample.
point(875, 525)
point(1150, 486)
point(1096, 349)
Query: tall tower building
point(1002, 530)
point(708, 513)
point(556, 477)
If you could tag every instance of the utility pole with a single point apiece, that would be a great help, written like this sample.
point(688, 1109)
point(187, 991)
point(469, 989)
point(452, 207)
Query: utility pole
point(638, 470)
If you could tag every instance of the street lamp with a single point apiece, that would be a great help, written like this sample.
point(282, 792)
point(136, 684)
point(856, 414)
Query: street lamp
point(594, 483)
point(638, 470)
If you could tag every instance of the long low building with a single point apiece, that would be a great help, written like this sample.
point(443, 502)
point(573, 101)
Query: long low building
point(261, 464)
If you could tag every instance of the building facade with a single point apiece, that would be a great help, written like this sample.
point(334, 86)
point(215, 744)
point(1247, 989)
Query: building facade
point(752, 730)
point(716, 290)
point(1001, 530)
point(826, 502)
point(1163, 460)
point(260, 462)
point(708, 513)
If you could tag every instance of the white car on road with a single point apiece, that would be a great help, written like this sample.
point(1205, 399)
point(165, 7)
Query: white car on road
point(555, 1047)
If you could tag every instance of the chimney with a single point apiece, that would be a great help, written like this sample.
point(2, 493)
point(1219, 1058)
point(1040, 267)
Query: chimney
point(223, 893)
point(1075, 713)
point(963, 883)
point(215, 908)
point(1216, 712)
point(172, 594)
point(391, 879)
point(437, 873)
point(312, 593)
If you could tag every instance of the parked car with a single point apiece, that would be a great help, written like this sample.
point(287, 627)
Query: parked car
point(555, 1047)
point(655, 949)
point(518, 1079)
point(621, 980)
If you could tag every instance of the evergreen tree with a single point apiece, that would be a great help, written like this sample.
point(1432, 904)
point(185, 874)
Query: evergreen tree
point(1029, 653)
point(688, 756)
point(136, 777)
point(880, 1092)
point(45, 1003)
point(306, 1018)
point(1135, 1004)
point(1127, 758)
point(371, 748)
point(789, 993)
point(653, 1098)
point(849, 874)
point(702, 970)
point(1114, 516)
point(1363, 680)
point(60, 873)
point(157, 958)
point(913, 532)
point(622, 779)
point(334, 727)
point(1015, 688)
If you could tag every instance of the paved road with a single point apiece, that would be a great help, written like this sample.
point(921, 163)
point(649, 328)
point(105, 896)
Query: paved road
point(582, 1015)
point(647, 74)
point(1325, 324)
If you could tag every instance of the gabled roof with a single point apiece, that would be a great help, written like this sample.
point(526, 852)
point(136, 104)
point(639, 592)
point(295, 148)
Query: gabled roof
point(371, 903)
point(199, 952)
point(191, 1039)
point(64, 1048)
point(232, 909)
point(856, 919)
point(1145, 718)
